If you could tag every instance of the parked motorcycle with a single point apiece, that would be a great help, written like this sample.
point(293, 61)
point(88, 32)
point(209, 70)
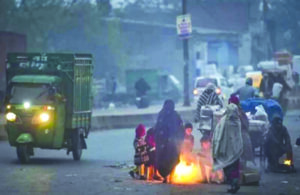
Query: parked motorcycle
point(142, 101)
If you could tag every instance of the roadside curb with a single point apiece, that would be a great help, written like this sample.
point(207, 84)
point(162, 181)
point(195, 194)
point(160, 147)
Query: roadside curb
point(295, 112)
point(101, 122)
point(117, 120)
point(107, 121)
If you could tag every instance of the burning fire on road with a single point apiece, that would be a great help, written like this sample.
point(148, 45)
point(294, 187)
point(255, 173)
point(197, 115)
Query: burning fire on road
point(194, 168)
point(287, 162)
point(188, 171)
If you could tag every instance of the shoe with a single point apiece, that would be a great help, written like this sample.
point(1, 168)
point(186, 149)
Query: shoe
point(234, 188)
point(230, 190)
point(143, 178)
point(165, 180)
point(131, 173)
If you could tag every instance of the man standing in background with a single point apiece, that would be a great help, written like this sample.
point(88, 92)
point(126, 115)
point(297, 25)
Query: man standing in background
point(247, 91)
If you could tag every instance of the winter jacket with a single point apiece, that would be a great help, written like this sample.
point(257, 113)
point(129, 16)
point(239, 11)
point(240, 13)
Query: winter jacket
point(208, 97)
point(245, 92)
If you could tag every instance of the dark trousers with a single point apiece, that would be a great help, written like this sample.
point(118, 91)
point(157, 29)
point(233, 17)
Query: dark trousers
point(232, 172)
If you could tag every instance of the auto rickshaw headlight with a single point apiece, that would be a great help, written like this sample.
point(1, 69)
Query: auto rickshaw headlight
point(44, 117)
point(26, 105)
point(48, 108)
point(195, 92)
point(218, 91)
point(10, 116)
point(8, 106)
point(287, 162)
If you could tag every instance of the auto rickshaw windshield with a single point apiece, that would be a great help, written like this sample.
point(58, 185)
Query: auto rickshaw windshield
point(204, 81)
point(38, 94)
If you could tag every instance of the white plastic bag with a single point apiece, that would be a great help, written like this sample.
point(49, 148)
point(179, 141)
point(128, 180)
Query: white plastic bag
point(249, 115)
point(276, 89)
point(260, 114)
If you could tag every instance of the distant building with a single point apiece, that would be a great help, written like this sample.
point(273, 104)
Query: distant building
point(148, 38)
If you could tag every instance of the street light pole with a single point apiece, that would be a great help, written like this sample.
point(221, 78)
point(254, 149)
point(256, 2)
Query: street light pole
point(266, 34)
point(186, 63)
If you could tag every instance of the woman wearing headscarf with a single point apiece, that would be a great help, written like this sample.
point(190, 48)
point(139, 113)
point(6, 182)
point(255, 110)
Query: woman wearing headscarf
point(227, 146)
point(208, 97)
point(169, 135)
point(247, 144)
point(277, 143)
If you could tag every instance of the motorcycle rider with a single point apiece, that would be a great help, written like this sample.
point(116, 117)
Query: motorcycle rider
point(208, 97)
point(247, 91)
point(277, 143)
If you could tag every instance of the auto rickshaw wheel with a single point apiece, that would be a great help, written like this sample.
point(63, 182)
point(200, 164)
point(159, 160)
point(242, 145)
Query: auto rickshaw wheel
point(76, 145)
point(23, 153)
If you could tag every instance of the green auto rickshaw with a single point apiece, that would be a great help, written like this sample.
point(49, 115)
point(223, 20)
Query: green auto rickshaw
point(48, 102)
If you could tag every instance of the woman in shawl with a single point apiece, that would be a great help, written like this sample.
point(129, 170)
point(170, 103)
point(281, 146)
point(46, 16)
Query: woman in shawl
point(247, 144)
point(228, 146)
point(169, 135)
point(208, 97)
point(277, 143)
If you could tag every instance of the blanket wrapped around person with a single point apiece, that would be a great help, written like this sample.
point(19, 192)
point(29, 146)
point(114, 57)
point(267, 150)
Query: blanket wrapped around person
point(169, 135)
point(227, 146)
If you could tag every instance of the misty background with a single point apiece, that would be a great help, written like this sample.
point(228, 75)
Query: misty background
point(124, 34)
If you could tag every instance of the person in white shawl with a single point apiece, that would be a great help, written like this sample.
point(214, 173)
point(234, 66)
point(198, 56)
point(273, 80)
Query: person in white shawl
point(227, 146)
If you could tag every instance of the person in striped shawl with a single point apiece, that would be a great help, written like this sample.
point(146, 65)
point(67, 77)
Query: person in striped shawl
point(208, 97)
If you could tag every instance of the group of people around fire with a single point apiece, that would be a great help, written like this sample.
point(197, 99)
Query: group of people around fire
point(157, 151)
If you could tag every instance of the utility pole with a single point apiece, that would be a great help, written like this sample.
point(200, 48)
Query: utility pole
point(266, 33)
point(186, 63)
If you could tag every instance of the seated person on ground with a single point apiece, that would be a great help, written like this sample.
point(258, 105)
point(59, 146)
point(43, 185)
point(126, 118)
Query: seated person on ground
point(277, 143)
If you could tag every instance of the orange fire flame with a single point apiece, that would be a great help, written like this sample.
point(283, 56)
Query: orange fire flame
point(196, 168)
point(287, 162)
point(188, 171)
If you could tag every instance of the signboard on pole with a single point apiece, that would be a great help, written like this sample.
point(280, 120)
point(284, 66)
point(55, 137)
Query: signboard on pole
point(184, 26)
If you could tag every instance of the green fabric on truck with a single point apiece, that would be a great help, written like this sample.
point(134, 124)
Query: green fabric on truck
point(35, 79)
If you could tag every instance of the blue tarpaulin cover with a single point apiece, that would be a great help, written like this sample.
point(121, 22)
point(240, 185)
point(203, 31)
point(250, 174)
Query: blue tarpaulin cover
point(271, 106)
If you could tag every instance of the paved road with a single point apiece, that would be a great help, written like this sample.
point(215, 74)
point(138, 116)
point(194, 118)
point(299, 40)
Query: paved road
point(53, 172)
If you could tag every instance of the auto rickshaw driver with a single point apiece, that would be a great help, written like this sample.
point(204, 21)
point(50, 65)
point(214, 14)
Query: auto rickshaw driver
point(54, 95)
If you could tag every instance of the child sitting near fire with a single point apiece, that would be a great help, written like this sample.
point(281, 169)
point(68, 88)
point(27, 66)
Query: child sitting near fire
point(152, 172)
point(206, 163)
point(141, 156)
point(188, 143)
